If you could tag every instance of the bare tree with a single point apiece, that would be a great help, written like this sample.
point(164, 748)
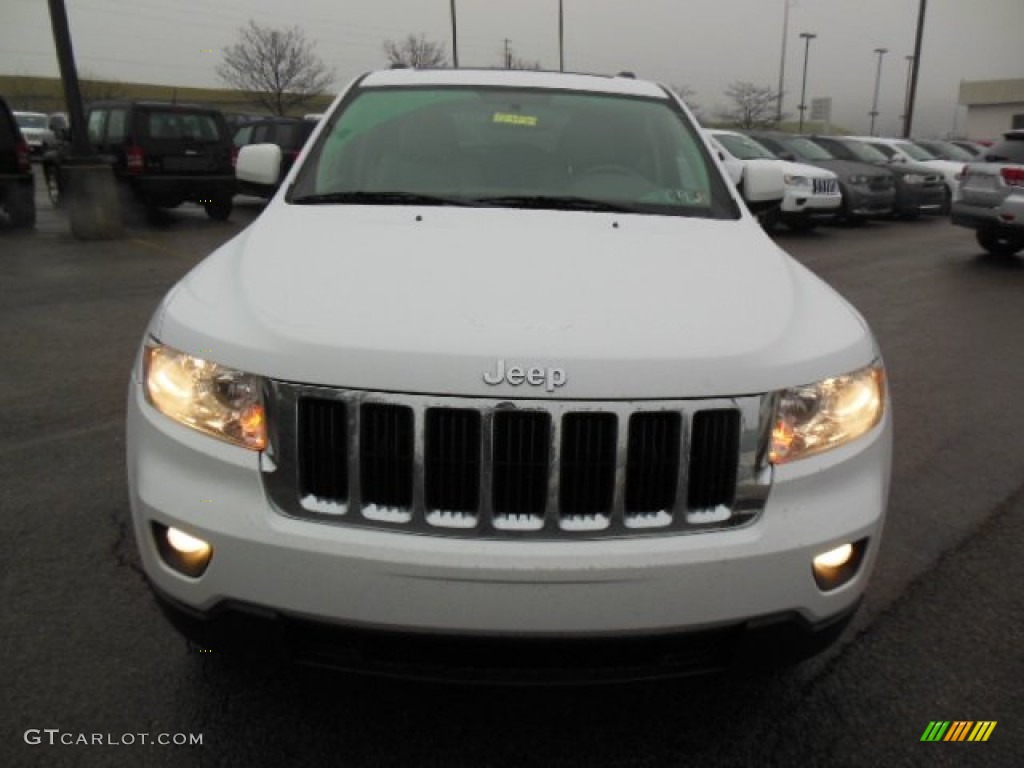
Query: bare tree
point(276, 67)
point(417, 52)
point(753, 106)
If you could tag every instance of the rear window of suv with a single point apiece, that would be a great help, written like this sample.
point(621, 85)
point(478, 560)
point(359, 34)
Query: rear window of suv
point(177, 125)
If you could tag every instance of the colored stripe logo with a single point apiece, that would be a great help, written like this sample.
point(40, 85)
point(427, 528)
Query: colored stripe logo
point(958, 730)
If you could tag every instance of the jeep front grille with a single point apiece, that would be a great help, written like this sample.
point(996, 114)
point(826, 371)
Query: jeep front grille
point(490, 468)
point(826, 186)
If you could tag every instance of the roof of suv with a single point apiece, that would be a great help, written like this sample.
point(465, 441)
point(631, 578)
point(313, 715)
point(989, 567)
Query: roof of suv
point(522, 78)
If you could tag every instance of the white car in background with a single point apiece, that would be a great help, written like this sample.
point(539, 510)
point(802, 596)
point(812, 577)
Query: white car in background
point(35, 128)
point(903, 151)
point(807, 193)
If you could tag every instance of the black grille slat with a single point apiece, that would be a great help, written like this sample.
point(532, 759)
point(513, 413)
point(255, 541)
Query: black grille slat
point(386, 455)
point(452, 459)
point(323, 468)
point(714, 458)
point(652, 462)
point(520, 462)
point(587, 471)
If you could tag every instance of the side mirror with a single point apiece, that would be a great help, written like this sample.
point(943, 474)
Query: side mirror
point(787, 156)
point(763, 183)
point(259, 164)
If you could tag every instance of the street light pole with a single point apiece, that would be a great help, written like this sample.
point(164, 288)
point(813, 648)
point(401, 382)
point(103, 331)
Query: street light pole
point(782, 61)
point(878, 79)
point(455, 39)
point(807, 36)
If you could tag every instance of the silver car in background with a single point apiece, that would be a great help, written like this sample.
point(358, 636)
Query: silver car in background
point(992, 197)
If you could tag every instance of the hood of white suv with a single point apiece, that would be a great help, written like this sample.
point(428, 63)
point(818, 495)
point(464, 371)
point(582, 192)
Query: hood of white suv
point(425, 299)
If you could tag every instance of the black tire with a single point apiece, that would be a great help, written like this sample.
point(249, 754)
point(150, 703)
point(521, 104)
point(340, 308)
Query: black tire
point(22, 207)
point(51, 176)
point(999, 243)
point(768, 218)
point(219, 209)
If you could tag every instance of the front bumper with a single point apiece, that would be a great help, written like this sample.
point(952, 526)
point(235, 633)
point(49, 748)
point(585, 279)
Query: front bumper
point(861, 200)
point(804, 201)
point(310, 571)
point(172, 190)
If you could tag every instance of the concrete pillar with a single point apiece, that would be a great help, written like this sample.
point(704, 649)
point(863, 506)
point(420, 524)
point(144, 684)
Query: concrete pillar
point(92, 202)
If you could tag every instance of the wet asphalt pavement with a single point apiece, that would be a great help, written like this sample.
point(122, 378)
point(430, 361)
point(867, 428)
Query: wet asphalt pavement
point(939, 637)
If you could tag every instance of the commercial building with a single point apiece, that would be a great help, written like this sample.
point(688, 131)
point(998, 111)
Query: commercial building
point(993, 106)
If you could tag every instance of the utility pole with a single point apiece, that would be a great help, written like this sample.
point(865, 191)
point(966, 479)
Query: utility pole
point(508, 54)
point(455, 39)
point(878, 79)
point(782, 61)
point(807, 36)
point(916, 68)
point(93, 208)
point(561, 38)
point(906, 95)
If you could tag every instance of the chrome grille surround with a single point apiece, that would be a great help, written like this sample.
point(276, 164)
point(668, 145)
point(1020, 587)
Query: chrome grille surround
point(280, 463)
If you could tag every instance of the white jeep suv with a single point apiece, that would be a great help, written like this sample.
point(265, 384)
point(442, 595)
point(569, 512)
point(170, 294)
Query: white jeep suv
point(506, 367)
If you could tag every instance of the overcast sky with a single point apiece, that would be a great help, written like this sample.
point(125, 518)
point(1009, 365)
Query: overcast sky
point(704, 44)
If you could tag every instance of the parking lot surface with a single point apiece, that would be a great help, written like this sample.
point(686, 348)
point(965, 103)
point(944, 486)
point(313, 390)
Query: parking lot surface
point(940, 636)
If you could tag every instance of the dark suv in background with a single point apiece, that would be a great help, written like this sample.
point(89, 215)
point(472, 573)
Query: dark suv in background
point(17, 189)
point(919, 188)
point(163, 154)
point(288, 133)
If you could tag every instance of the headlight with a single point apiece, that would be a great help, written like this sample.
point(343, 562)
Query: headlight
point(832, 412)
point(913, 178)
point(797, 181)
point(857, 179)
point(205, 396)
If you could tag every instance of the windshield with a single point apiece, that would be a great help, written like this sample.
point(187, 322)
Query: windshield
point(31, 121)
point(864, 152)
point(512, 147)
point(743, 147)
point(947, 151)
point(806, 149)
point(915, 151)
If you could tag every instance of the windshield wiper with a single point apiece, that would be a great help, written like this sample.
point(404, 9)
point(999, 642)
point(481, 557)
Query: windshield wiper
point(377, 198)
point(556, 203)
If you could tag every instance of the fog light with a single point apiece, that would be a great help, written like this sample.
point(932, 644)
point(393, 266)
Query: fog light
point(831, 559)
point(185, 544)
point(185, 553)
point(837, 566)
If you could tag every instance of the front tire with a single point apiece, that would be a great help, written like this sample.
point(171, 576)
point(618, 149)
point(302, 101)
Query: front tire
point(999, 243)
point(53, 186)
point(219, 209)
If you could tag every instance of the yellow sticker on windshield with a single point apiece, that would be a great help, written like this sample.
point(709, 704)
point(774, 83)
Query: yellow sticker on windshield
point(510, 119)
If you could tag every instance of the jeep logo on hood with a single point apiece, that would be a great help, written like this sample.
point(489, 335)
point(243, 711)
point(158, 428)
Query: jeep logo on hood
point(550, 378)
